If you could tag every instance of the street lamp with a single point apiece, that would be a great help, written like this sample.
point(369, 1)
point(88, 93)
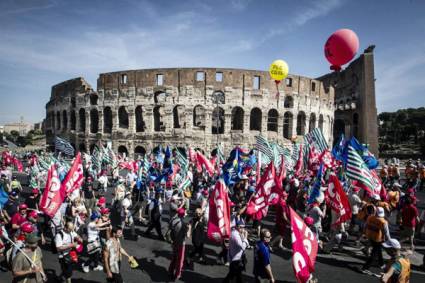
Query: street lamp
point(218, 98)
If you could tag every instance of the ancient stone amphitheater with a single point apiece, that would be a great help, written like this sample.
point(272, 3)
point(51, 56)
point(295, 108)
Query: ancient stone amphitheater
point(199, 107)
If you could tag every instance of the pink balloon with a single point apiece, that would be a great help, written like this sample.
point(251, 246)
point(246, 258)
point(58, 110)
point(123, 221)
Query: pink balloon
point(341, 47)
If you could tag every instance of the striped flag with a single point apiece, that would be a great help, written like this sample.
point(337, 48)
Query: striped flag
point(184, 184)
point(315, 138)
point(357, 169)
point(182, 161)
point(64, 146)
point(96, 158)
point(263, 146)
point(220, 155)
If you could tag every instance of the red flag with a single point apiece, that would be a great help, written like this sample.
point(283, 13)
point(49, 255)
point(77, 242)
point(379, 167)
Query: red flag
point(192, 155)
point(281, 176)
point(338, 200)
point(313, 159)
point(7, 158)
point(299, 166)
point(219, 213)
point(379, 187)
point(18, 164)
point(304, 248)
point(53, 194)
point(202, 160)
point(259, 203)
point(75, 177)
point(328, 160)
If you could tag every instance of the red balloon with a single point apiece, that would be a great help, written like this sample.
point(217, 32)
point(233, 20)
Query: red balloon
point(341, 47)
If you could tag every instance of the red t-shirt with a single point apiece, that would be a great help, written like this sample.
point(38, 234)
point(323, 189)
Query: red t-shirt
point(18, 219)
point(409, 215)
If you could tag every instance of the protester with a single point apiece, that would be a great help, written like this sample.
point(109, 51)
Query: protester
point(237, 246)
point(397, 270)
point(262, 267)
point(155, 212)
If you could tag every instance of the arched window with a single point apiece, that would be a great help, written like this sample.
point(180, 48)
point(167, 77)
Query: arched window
point(321, 122)
point(122, 150)
point(237, 118)
point(107, 120)
point(301, 123)
point(93, 99)
point(73, 120)
point(82, 118)
point(255, 119)
point(289, 102)
point(94, 121)
point(58, 120)
point(140, 124)
point(217, 121)
point(287, 125)
point(178, 117)
point(139, 151)
point(123, 118)
point(312, 124)
point(199, 116)
point(65, 120)
point(272, 117)
point(158, 113)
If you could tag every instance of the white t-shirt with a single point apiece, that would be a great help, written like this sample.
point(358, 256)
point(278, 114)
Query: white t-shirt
point(63, 239)
point(126, 203)
point(92, 232)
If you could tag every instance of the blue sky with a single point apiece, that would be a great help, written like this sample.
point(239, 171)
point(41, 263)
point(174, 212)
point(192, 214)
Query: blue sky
point(44, 42)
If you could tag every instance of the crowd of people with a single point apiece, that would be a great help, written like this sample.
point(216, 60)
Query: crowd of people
point(86, 230)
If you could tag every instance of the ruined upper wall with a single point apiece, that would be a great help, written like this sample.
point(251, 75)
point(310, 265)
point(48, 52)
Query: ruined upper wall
point(70, 87)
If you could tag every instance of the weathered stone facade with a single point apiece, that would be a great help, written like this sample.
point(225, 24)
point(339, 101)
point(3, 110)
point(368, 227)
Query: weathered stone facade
point(140, 109)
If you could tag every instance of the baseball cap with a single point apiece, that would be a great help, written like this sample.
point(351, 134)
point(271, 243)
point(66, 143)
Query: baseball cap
point(35, 191)
point(32, 239)
point(376, 197)
point(180, 211)
point(104, 211)
point(392, 244)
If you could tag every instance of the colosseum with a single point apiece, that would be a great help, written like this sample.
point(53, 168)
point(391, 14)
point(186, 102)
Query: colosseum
point(138, 110)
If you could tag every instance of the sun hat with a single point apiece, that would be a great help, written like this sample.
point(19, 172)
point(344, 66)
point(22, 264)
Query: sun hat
point(392, 244)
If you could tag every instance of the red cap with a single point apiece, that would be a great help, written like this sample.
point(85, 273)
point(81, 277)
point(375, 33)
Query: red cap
point(104, 211)
point(27, 227)
point(101, 201)
point(309, 221)
point(180, 212)
point(33, 214)
point(23, 206)
point(35, 191)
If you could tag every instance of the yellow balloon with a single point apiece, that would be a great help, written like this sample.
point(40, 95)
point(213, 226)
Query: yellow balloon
point(278, 70)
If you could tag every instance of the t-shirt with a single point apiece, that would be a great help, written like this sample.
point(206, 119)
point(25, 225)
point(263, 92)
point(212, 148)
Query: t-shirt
point(409, 215)
point(21, 263)
point(261, 259)
point(31, 202)
point(355, 202)
point(62, 239)
point(316, 213)
point(18, 219)
point(92, 232)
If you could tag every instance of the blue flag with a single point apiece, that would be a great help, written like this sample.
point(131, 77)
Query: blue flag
point(3, 197)
point(315, 192)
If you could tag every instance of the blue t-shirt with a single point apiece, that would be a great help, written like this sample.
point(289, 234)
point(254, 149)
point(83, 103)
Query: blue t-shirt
point(261, 259)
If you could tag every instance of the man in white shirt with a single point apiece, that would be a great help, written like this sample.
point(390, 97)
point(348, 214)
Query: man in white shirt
point(65, 241)
point(237, 245)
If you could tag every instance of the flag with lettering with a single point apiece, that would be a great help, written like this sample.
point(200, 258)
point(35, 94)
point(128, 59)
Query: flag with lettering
point(338, 200)
point(219, 213)
point(75, 177)
point(54, 193)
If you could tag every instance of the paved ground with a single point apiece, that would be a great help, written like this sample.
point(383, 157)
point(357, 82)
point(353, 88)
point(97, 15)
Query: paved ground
point(154, 256)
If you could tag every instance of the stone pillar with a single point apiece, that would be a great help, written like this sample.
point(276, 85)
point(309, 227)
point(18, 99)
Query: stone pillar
point(115, 121)
point(87, 131)
point(294, 125)
point(280, 125)
point(100, 126)
point(227, 122)
point(264, 123)
point(131, 120)
point(148, 118)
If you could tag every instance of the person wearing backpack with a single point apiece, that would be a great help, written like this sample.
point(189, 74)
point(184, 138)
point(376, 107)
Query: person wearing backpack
point(65, 241)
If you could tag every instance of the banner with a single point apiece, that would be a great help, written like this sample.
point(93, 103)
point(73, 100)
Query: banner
point(53, 194)
point(304, 248)
point(259, 203)
point(202, 160)
point(219, 213)
point(338, 200)
point(75, 176)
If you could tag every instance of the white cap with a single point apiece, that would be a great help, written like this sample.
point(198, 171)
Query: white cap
point(296, 183)
point(392, 244)
point(320, 198)
point(376, 197)
point(380, 212)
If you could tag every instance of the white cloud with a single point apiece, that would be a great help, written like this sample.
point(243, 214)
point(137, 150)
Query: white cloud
point(240, 5)
point(13, 7)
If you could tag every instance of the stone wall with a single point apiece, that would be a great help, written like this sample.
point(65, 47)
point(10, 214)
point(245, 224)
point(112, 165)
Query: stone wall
point(141, 109)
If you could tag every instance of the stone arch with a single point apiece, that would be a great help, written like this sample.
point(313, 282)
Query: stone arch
point(140, 123)
point(178, 117)
point(220, 95)
point(139, 151)
point(301, 123)
point(287, 125)
point(122, 150)
point(93, 99)
point(199, 116)
point(158, 114)
point(94, 121)
point(65, 119)
point(58, 120)
point(160, 96)
point(237, 118)
point(289, 102)
point(321, 121)
point(82, 119)
point(73, 120)
point(312, 123)
point(272, 117)
point(355, 125)
point(107, 120)
point(217, 121)
point(255, 119)
point(123, 117)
